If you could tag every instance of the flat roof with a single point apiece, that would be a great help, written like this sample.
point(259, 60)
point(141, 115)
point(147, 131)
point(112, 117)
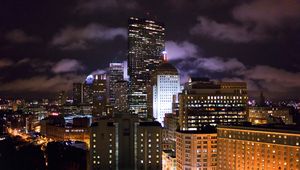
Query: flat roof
point(265, 128)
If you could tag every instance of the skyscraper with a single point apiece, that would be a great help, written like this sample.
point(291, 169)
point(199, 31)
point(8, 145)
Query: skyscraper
point(120, 89)
point(88, 90)
point(99, 96)
point(115, 73)
point(145, 47)
point(77, 93)
point(165, 83)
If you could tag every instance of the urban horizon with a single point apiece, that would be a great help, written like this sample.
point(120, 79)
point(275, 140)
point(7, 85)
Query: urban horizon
point(115, 84)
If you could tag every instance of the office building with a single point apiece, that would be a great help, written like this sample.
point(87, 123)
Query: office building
point(266, 115)
point(62, 98)
point(55, 128)
point(115, 73)
point(204, 102)
point(88, 90)
point(196, 150)
point(77, 93)
point(121, 96)
point(148, 149)
point(258, 147)
point(99, 96)
point(165, 86)
point(146, 40)
point(171, 125)
point(123, 142)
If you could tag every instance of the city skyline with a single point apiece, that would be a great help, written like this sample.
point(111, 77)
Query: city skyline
point(46, 46)
point(174, 84)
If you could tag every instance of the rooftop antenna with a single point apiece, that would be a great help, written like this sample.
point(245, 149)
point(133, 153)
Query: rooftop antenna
point(165, 57)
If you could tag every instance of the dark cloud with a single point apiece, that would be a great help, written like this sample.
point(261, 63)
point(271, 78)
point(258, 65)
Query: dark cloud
point(91, 6)
point(71, 38)
point(19, 36)
point(273, 79)
point(35, 64)
point(67, 65)
point(191, 62)
point(268, 12)
point(226, 31)
point(42, 83)
point(253, 21)
point(213, 38)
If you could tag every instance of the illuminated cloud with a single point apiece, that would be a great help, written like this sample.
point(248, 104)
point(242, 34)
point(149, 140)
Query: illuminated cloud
point(71, 38)
point(188, 55)
point(218, 64)
point(19, 36)
point(67, 65)
point(180, 50)
point(99, 71)
point(276, 82)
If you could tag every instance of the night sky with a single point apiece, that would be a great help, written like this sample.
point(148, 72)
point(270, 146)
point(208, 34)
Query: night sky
point(46, 45)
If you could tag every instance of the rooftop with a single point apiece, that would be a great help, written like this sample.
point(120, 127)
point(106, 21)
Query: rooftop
point(166, 67)
point(265, 128)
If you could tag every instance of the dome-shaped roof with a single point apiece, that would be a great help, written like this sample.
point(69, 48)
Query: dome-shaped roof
point(166, 67)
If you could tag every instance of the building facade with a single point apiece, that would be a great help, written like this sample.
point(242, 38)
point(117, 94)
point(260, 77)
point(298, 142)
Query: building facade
point(196, 150)
point(258, 147)
point(115, 73)
point(121, 96)
point(77, 93)
point(99, 96)
point(123, 142)
point(55, 128)
point(165, 85)
point(149, 150)
point(171, 125)
point(146, 40)
point(262, 115)
point(204, 102)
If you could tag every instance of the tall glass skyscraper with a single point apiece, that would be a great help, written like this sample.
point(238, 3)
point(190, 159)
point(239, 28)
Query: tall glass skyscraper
point(146, 42)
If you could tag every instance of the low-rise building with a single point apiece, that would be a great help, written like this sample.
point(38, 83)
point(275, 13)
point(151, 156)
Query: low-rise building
point(263, 115)
point(258, 147)
point(168, 160)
